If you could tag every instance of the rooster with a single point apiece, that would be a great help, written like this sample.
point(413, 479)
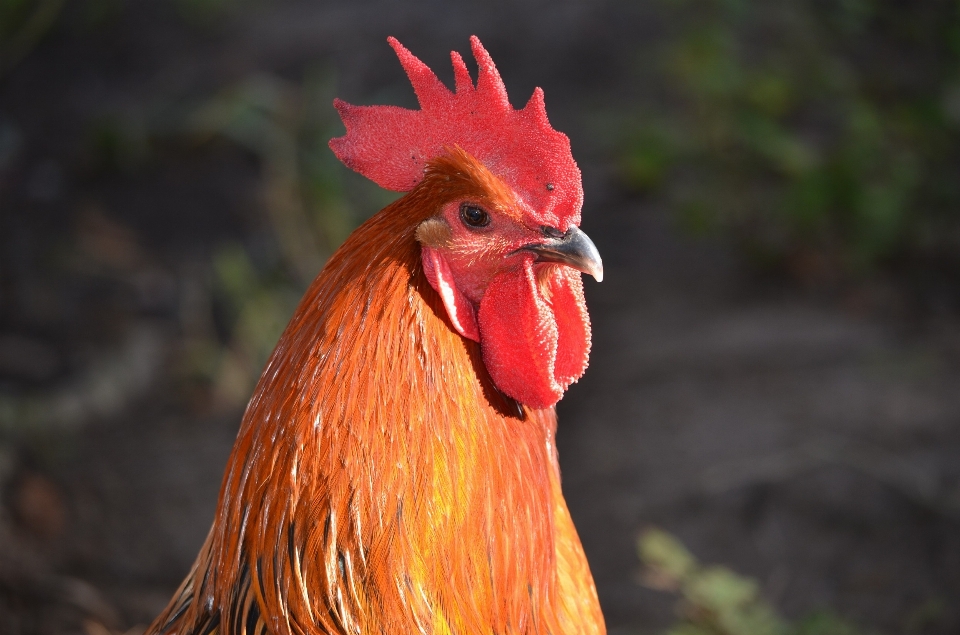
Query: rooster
point(395, 471)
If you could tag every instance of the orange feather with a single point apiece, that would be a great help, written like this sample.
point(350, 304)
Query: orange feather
point(380, 482)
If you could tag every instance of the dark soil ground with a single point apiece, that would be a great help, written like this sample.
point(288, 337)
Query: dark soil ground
point(809, 440)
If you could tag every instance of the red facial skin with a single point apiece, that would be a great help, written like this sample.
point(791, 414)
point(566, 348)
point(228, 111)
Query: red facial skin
point(473, 256)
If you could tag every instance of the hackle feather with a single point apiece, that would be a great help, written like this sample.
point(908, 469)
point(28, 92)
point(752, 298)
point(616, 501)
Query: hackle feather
point(380, 482)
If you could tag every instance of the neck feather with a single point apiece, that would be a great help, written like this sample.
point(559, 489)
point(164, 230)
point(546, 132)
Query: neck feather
point(380, 482)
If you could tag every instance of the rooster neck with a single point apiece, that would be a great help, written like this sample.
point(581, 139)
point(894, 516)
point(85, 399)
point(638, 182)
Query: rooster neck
point(379, 477)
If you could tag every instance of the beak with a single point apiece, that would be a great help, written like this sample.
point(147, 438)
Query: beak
point(574, 249)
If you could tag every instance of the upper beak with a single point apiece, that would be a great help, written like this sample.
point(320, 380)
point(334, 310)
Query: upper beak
point(574, 249)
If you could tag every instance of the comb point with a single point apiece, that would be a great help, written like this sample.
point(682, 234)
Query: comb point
point(537, 106)
point(489, 81)
point(426, 84)
point(461, 75)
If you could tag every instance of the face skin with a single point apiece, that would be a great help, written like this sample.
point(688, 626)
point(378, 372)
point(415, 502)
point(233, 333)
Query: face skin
point(481, 242)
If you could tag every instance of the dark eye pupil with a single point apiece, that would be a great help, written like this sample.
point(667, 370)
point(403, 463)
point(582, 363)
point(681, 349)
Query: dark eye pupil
point(474, 216)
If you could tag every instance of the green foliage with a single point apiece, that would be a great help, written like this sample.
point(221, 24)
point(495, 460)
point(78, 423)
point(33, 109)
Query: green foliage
point(258, 308)
point(825, 126)
point(257, 305)
point(22, 24)
point(305, 206)
point(824, 623)
point(115, 143)
point(716, 601)
point(13, 13)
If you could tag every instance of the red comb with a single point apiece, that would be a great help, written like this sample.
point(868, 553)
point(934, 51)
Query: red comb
point(391, 145)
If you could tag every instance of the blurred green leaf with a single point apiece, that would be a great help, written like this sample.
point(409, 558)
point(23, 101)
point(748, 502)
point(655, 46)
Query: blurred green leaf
point(688, 628)
point(717, 601)
point(706, 62)
point(654, 149)
point(307, 206)
point(696, 215)
point(717, 588)
point(732, 601)
point(23, 23)
point(659, 549)
point(923, 617)
point(259, 306)
point(115, 143)
point(795, 135)
point(772, 142)
point(235, 274)
point(824, 623)
point(770, 93)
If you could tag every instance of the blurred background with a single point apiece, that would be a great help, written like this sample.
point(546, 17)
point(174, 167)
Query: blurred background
point(767, 439)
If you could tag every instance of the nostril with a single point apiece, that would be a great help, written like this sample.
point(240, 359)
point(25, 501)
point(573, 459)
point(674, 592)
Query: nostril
point(552, 232)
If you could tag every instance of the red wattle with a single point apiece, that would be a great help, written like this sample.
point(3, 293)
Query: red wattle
point(534, 345)
point(573, 325)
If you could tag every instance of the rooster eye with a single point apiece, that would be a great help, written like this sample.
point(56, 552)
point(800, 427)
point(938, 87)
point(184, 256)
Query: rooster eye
point(474, 216)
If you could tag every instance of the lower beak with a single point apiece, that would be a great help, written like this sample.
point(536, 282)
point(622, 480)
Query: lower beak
point(574, 249)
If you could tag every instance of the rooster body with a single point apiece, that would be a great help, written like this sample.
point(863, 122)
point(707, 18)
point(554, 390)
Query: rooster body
point(384, 480)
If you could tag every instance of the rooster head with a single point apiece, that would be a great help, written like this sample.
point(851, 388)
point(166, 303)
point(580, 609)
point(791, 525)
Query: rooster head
point(500, 240)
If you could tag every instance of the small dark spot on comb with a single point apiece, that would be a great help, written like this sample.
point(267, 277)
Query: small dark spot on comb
point(549, 187)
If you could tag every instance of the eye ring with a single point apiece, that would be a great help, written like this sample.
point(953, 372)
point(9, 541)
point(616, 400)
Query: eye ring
point(474, 215)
